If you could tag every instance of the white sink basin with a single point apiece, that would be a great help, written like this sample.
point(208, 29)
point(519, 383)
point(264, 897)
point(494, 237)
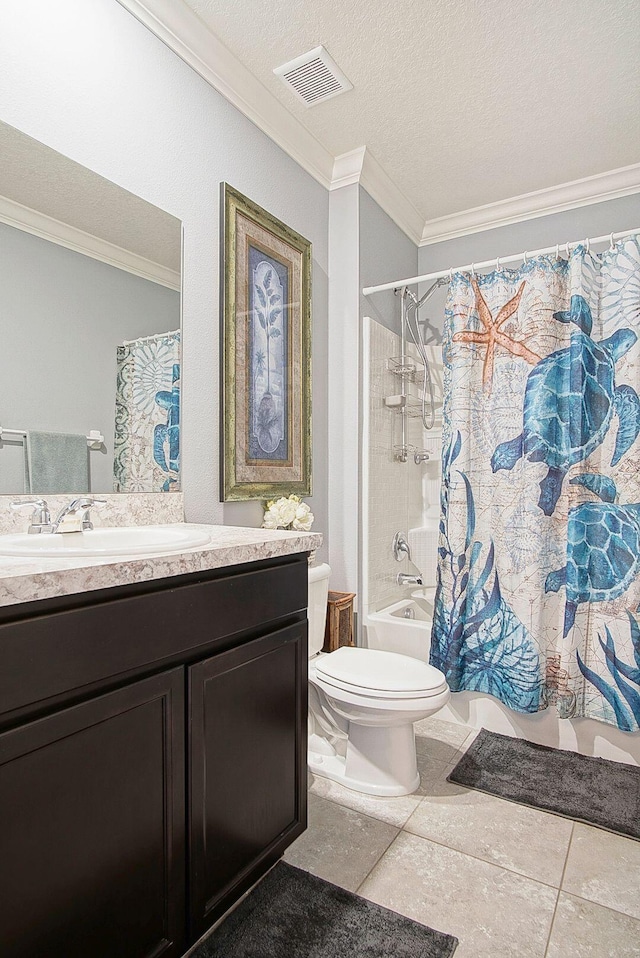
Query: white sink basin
point(125, 541)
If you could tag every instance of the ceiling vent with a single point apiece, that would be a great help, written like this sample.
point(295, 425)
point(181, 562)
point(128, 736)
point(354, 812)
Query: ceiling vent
point(314, 77)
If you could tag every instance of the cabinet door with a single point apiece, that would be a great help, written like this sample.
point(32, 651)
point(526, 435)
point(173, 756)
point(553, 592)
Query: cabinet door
point(92, 827)
point(248, 766)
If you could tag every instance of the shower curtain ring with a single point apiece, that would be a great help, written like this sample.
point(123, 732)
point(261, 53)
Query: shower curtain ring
point(473, 270)
point(586, 245)
point(568, 251)
point(611, 241)
point(525, 258)
point(451, 275)
point(557, 250)
point(497, 263)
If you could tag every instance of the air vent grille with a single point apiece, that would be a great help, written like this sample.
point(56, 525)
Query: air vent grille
point(314, 77)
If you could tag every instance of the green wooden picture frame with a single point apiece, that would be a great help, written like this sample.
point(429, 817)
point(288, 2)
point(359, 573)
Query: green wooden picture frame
point(265, 353)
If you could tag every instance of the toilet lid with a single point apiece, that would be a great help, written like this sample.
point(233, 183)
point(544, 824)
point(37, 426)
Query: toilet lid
point(384, 674)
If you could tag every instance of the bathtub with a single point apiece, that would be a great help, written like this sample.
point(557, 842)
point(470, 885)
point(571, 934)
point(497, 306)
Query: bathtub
point(405, 627)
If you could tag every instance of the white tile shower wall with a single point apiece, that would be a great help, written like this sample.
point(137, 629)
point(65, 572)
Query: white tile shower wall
point(387, 491)
point(395, 488)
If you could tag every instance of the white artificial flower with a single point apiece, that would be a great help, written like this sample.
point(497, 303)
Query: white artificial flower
point(287, 512)
point(303, 519)
point(270, 521)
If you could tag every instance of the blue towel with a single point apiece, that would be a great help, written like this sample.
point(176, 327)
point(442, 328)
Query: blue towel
point(57, 462)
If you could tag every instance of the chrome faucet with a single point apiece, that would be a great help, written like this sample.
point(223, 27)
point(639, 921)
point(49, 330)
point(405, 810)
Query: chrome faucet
point(403, 578)
point(40, 517)
point(74, 517)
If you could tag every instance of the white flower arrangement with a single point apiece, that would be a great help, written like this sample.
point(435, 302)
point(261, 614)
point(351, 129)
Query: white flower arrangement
point(288, 512)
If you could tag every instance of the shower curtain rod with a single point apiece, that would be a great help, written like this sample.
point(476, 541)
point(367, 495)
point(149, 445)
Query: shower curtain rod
point(497, 261)
point(147, 339)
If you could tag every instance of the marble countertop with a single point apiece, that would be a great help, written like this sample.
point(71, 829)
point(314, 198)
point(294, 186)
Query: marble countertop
point(27, 579)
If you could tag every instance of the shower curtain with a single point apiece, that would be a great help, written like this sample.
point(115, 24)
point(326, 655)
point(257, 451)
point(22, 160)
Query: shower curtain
point(539, 552)
point(146, 455)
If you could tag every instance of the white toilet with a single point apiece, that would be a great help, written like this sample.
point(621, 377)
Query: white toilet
point(362, 706)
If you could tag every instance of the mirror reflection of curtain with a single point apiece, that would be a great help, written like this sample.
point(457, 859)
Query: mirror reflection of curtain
point(147, 422)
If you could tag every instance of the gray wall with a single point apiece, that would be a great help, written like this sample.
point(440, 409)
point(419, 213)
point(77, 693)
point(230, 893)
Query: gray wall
point(63, 314)
point(365, 247)
point(543, 231)
point(386, 254)
point(90, 81)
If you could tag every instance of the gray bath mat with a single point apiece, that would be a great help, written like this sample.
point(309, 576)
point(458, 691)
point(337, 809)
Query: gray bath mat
point(292, 914)
point(592, 790)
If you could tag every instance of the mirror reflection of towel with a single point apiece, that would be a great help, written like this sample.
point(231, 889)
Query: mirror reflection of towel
point(57, 462)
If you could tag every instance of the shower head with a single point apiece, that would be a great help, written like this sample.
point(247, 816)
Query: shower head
point(406, 293)
point(443, 281)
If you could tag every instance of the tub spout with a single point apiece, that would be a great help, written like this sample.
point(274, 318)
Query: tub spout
point(404, 578)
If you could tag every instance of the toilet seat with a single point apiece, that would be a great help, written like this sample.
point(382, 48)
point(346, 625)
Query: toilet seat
point(379, 675)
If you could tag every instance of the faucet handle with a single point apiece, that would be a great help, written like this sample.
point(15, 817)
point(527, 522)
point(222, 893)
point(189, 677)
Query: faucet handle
point(89, 503)
point(40, 517)
point(401, 547)
point(82, 505)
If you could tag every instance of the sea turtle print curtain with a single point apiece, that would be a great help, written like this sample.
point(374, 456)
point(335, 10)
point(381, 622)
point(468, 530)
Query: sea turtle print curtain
point(539, 553)
point(146, 454)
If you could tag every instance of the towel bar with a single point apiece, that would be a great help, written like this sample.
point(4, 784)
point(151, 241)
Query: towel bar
point(95, 439)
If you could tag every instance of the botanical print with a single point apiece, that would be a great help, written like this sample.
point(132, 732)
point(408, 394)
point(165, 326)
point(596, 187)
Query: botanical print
point(147, 421)
point(268, 389)
point(539, 558)
point(266, 332)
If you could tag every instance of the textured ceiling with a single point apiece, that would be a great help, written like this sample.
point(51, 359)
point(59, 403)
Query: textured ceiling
point(463, 102)
point(38, 177)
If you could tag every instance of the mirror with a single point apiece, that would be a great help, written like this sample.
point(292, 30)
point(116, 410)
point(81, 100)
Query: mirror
point(90, 319)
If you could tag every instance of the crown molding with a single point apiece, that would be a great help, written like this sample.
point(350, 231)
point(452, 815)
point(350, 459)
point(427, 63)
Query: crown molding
point(360, 166)
point(555, 199)
point(173, 22)
point(179, 28)
point(347, 168)
point(48, 228)
point(379, 185)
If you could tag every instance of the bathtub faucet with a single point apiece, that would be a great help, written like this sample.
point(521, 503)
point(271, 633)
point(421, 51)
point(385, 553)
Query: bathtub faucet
point(404, 578)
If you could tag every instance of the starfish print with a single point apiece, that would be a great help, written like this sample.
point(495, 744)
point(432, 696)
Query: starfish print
point(493, 336)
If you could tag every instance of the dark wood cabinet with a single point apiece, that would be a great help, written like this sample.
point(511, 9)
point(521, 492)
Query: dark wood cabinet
point(92, 813)
point(247, 758)
point(152, 754)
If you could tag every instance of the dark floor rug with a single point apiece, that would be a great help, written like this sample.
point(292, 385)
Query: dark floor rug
point(592, 790)
point(292, 914)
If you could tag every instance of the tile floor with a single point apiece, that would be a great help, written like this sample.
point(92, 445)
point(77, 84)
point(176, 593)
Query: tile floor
point(505, 879)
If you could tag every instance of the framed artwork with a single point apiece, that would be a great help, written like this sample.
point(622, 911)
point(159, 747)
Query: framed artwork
point(266, 353)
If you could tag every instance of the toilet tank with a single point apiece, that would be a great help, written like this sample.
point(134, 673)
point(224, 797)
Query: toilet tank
point(317, 605)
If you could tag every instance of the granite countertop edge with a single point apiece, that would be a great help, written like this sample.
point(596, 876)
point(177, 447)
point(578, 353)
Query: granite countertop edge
point(31, 579)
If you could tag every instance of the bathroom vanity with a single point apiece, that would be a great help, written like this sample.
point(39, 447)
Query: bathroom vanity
point(152, 747)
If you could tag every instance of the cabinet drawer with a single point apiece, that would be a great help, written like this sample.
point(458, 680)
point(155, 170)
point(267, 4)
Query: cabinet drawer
point(54, 655)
